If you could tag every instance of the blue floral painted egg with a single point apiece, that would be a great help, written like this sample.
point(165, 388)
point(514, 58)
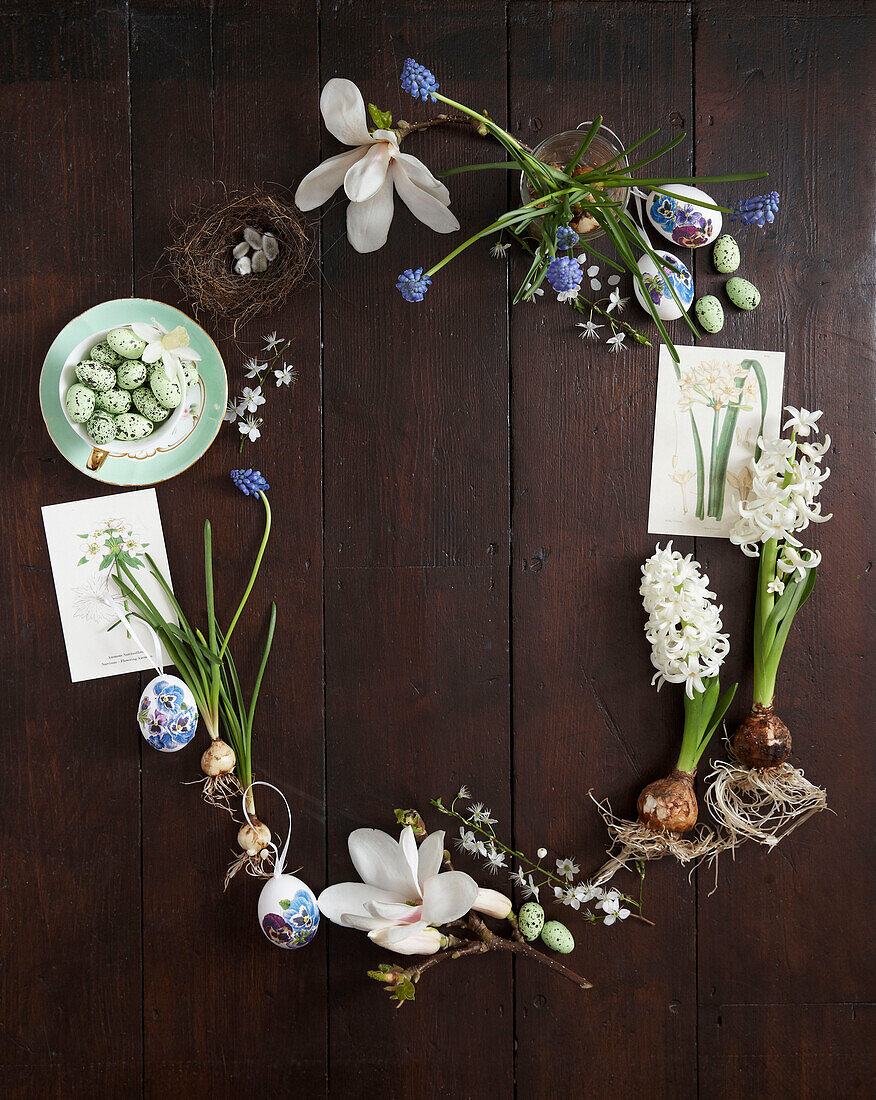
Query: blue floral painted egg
point(168, 713)
point(657, 288)
point(288, 913)
point(683, 219)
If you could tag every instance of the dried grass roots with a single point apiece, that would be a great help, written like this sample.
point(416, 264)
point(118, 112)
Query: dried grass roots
point(200, 257)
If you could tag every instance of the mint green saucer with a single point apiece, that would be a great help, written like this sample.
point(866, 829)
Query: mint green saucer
point(204, 404)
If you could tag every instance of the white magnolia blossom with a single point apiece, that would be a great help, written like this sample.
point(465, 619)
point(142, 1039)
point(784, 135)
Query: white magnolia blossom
point(403, 892)
point(786, 480)
point(684, 625)
point(369, 172)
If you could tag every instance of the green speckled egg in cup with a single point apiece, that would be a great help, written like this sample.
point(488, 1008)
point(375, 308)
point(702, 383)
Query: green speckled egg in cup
point(103, 353)
point(146, 405)
point(172, 444)
point(125, 342)
point(79, 403)
point(101, 428)
point(95, 375)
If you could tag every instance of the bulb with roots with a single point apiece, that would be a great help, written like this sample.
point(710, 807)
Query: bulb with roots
point(763, 741)
point(254, 837)
point(669, 805)
point(220, 783)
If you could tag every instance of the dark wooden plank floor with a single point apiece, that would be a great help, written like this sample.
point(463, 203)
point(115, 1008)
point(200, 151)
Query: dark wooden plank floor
point(460, 496)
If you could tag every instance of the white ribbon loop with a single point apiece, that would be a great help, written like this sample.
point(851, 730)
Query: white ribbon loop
point(280, 857)
point(155, 660)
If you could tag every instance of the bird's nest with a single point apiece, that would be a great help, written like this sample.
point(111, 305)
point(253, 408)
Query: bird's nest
point(201, 262)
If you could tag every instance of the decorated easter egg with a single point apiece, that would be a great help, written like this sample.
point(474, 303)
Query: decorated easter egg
point(79, 403)
point(557, 937)
point(125, 342)
point(101, 428)
point(166, 390)
point(710, 313)
point(96, 376)
point(113, 401)
point(168, 713)
point(131, 374)
point(288, 913)
point(656, 285)
point(132, 426)
point(530, 920)
point(682, 218)
point(725, 254)
point(146, 405)
point(742, 293)
point(103, 353)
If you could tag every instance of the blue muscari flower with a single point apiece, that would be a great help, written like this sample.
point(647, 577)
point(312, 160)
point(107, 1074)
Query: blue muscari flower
point(563, 273)
point(250, 482)
point(759, 210)
point(413, 284)
point(418, 81)
point(566, 237)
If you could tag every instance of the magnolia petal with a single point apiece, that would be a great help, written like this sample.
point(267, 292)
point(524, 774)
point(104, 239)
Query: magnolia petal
point(407, 842)
point(426, 941)
point(146, 332)
point(379, 861)
point(424, 206)
point(322, 182)
point(343, 111)
point(368, 222)
point(400, 932)
point(422, 177)
point(364, 924)
point(188, 353)
point(448, 897)
point(429, 857)
point(367, 176)
point(396, 912)
point(349, 898)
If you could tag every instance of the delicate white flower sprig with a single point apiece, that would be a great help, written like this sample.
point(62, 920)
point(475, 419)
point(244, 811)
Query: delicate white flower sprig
point(786, 480)
point(244, 410)
point(684, 625)
point(477, 838)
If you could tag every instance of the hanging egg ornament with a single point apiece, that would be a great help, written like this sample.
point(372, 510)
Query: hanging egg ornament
point(656, 285)
point(288, 913)
point(168, 713)
point(683, 219)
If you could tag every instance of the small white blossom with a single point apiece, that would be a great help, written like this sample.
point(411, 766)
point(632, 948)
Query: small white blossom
point(253, 368)
point(567, 868)
point(518, 877)
point(615, 302)
point(463, 792)
point(466, 841)
point(610, 905)
point(531, 295)
point(232, 412)
point(541, 853)
point(776, 586)
point(250, 428)
point(495, 859)
point(590, 329)
point(272, 341)
point(684, 625)
point(499, 250)
point(802, 421)
point(530, 890)
point(567, 295)
point(286, 375)
point(252, 398)
point(481, 816)
point(617, 341)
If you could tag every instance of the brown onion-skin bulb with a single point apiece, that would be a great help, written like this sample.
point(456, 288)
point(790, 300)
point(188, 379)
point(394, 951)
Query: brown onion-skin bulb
point(669, 805)
point(218, 759)
point(763, 740)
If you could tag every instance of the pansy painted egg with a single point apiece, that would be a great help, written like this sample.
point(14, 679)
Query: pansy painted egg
point(657, 288)
point(168, 713)
point(288, 913)
point(683, 219)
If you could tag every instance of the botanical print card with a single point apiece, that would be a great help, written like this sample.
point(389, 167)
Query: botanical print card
point(711, 408)
point(88, 540)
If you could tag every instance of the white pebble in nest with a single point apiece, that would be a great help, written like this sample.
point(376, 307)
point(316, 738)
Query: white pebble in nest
point(240, 250)
point(265, 248)
point(270, 247)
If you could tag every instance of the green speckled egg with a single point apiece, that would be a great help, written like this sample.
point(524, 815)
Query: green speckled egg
point(96, 376)
point(130, 426)
point(113, 401)
point(557, 937)
point(126, 342)
point(102, 428)
point(530, 920)
point(742, 293)
point(146, 405)
point(190, 371)
point(103, 353)
point(167, 390)
point(710, 313)
point(79, 403)
point(131, 374)
point(725, 254)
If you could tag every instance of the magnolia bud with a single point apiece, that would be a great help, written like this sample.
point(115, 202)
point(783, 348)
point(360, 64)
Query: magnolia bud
point(412, 818)
point(425, 942)
point(492, 903)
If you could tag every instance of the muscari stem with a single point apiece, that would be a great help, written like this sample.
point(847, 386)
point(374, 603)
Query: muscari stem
point(253, 575)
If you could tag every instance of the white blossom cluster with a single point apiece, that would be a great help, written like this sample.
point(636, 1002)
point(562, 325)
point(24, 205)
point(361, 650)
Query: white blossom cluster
point(684, 625)
point(786, 480)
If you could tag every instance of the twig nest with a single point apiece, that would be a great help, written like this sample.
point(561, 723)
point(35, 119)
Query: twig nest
point(763, 740)
point(669, 805)
point(247, 232)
